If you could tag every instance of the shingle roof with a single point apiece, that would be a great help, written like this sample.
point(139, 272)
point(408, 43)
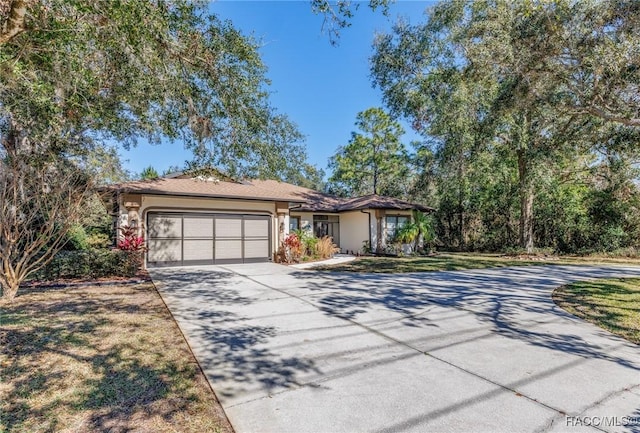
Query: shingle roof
point(374, 201)
point(270, 190)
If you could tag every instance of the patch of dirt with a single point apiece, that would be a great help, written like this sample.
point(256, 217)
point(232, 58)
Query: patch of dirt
point(140, 277)
point(531, 257)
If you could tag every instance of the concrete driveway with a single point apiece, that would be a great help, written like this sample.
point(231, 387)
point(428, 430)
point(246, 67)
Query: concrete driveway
point(474, 351)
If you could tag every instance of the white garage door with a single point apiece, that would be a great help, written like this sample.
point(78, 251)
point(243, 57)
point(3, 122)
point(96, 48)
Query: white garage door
point(205, 239)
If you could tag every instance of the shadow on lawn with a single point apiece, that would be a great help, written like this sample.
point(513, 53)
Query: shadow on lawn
point(607, 304)
point(60, 360)
point(441, 262)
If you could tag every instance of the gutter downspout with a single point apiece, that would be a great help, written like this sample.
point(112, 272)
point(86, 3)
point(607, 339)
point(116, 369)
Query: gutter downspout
point(370, 240)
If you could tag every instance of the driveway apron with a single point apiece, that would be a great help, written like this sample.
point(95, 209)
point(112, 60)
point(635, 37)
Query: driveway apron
point(487, 350)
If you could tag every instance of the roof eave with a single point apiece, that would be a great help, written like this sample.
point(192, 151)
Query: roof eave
point(200, 195)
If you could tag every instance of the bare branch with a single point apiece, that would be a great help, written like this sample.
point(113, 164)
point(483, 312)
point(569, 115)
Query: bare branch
point(14, 25)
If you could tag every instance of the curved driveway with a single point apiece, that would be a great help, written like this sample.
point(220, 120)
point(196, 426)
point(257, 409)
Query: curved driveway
point(468, 351)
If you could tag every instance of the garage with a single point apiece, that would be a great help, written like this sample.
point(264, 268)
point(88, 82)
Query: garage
point(183, 239)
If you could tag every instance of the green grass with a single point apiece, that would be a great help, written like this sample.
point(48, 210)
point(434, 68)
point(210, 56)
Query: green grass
point(461, 261)
point(104, 358)
point(612, 304)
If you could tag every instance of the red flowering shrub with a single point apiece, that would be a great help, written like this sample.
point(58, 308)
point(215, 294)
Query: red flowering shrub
point(130, 242)
point(293, 248)
point(129, 239)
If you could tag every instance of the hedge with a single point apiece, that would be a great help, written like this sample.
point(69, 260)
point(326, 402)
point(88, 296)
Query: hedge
point(91, 263)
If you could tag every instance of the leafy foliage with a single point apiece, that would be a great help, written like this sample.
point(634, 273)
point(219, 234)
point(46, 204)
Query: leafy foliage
point(39, 203)
point(90, 263)
point(301, 245)
point(130, 240)
point(374, 161)
point(418, 231)
point(338, 14)
point(293, 248)
point(149, 173)
point(523, 105)
point(77, 76)
point(77, 238)
point(153, 70)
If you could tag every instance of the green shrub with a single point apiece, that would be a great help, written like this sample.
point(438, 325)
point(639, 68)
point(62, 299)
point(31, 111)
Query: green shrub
point(90, 263)
point(309, 242)
point(77, 238)
point(612, 238)
point(99, 240)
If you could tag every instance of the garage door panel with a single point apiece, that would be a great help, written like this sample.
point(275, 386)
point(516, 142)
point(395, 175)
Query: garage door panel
point(228, 249)
point(254, 249)
point(165, 226)
point(194, 239)
point(228, 227)
point(165, 250)
point(198, 227)
point(198, 250)
point(256, 228)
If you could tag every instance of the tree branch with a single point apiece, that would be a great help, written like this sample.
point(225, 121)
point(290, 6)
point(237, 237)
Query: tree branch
point(598, 112)
point(15, 21)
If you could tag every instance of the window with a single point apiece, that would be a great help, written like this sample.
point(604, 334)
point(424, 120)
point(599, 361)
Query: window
point(394, 223)
point(294, 223)
point(327, 225)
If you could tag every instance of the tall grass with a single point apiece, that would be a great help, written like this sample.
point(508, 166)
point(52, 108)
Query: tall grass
point(325, 247)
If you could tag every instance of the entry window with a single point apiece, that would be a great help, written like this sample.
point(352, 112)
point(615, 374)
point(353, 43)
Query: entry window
point(327, 225)
point(294, 223)
point(394, 223)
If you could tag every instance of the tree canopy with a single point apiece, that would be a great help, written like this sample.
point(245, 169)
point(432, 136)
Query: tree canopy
point(75, 74)
point(518, 98)
point(149, 173)
point(374, 161)
point(78, 76)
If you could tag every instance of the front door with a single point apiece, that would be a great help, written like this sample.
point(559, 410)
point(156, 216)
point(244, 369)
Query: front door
point(327, 225)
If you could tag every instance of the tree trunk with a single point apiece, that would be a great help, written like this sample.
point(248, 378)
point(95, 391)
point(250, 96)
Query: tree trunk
point(15, 20)
point(526, 203)
point(461, 237)
point(9, 290)
point(375, 180)
point(9, 282)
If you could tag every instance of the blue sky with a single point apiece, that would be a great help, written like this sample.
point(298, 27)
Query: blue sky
point(319, 86)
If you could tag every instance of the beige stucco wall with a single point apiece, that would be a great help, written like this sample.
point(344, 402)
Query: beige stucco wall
point(306, 219)
point(354, 227)
point(158, 202)
point(354, 231)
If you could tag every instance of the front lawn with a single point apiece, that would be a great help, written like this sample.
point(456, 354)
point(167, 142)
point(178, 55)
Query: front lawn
point(461, 261)
point(96, 358)
point(612, 304)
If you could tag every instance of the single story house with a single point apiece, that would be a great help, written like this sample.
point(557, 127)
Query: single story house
point(189, 220)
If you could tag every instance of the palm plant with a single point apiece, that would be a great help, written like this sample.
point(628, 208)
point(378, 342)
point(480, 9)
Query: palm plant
point(417, 231)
